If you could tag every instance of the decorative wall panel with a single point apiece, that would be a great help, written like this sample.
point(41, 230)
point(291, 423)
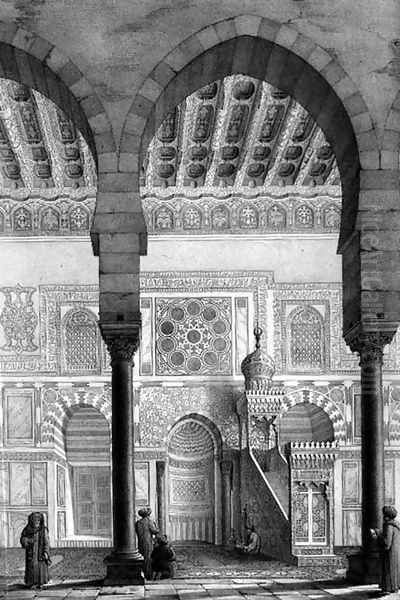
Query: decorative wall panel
point(18, 320)
point(4, 483)
point(19, 405)
point(81, 339)
point(390, 497)
point(306, 339)
point(61, 525)
point(142, 482)
point(39, 483)
point(242, 331)
point(20, 484)
point(55, 303)
point(28, 483)
point(351, 488)
point(60, 486)
point(146, 339)
point(194, 336)
point(352, 527)
point(356, 420)
point(189, 490)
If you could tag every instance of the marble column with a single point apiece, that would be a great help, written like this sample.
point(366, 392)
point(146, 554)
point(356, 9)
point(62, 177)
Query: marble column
point(226, 470)
point(365, 566)
point(124, 564)
point(161, 508)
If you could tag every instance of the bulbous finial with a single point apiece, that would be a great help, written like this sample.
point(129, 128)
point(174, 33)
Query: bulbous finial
point(258, 368)
point(257, 334)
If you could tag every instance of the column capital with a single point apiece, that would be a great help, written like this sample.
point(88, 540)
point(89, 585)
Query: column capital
point(369, 343)
point(121, 339)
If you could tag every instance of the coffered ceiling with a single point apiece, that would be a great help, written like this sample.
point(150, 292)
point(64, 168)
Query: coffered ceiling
point(47, 174)
point(243, 134)
point(238, 156)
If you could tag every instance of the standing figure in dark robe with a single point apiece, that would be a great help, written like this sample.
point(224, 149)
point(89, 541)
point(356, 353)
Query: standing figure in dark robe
point(163, 559)
point(145, 530)
point(389, 540)
point(35, 540)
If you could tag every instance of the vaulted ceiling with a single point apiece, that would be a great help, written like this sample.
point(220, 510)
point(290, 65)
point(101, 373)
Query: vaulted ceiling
point(246, 153)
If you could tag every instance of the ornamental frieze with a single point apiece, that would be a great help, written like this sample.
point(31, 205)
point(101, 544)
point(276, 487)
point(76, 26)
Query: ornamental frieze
point(245, 214)
point(44, 329)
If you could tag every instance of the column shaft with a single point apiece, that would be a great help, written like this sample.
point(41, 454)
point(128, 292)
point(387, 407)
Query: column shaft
point(122, 458)
point(372, 443)
point(365, 566)
point(162, 517)
point(124, 564)
point(226, 468)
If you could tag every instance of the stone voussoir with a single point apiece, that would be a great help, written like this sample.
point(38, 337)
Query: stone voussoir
point(23, 39)
point(208, 37)
point(247, 25)
point(226, 30)
point(162, 74)
point(40, 48)
point(286, 36)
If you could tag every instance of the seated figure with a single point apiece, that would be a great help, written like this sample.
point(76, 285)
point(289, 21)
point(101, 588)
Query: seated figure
point(254, 542)
point(163, 559)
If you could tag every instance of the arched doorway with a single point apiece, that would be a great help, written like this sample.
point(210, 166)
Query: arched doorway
point(305, 422)
point(193, 483)
point(87, 446)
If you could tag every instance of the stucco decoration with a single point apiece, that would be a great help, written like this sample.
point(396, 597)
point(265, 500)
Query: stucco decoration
point(276, 210)
point(160, 408)
point(248, 293)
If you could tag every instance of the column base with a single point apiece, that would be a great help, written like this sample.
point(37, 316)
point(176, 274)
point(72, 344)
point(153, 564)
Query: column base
point(364, 568)
point(124, 569)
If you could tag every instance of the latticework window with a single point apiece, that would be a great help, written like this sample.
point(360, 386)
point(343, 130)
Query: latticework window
point(306, 339)
point(81, 343)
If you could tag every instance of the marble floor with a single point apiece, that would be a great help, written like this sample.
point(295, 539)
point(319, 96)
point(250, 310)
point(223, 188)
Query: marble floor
point(250, 588)
point(203, 571)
